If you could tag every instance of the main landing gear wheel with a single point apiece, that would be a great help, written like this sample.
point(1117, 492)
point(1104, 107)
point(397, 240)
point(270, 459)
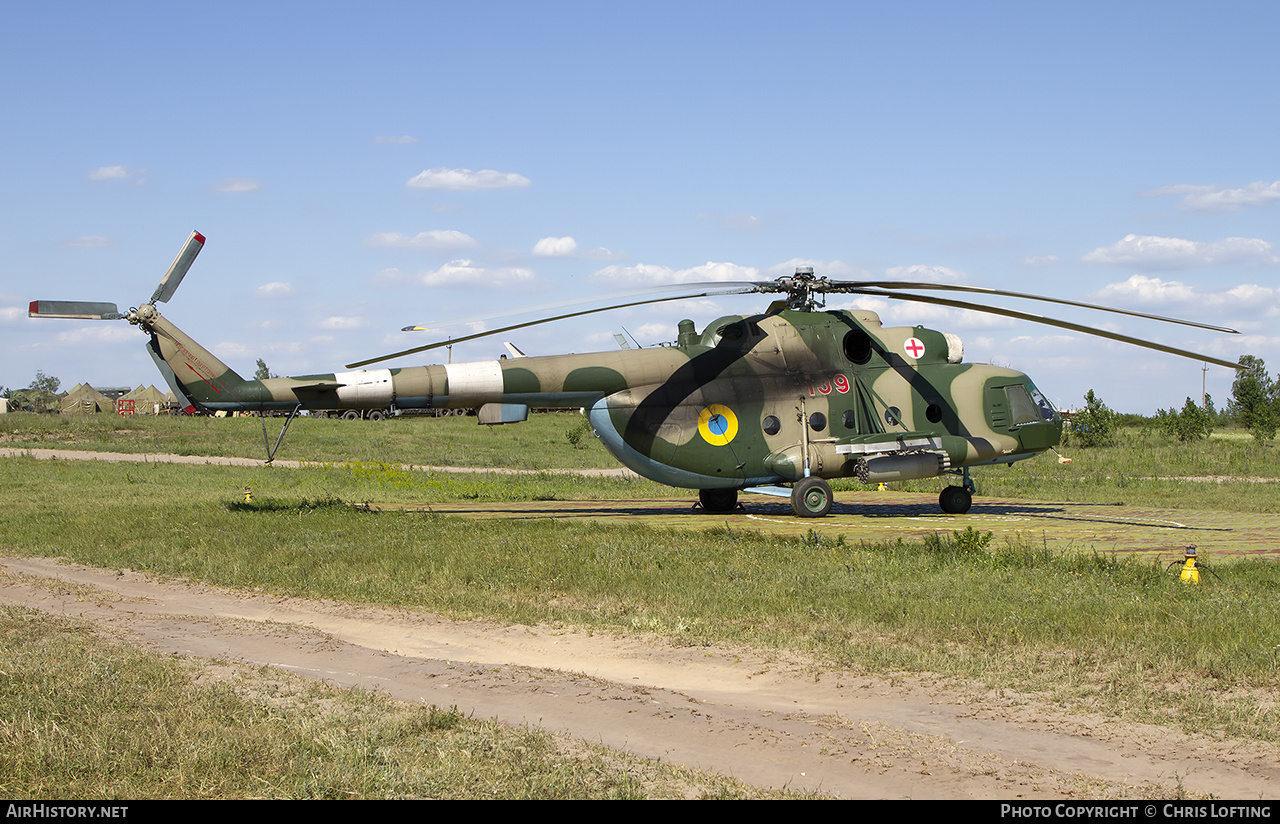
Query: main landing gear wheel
point(718, 500)
point(811, 498)
point(955, 500)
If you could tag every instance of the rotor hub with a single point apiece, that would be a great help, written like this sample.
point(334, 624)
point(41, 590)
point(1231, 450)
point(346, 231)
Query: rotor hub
point(143, 316)
point(801, 289)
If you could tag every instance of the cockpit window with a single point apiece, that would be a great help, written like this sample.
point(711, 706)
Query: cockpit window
point(1021, 408)
point(1047, 412)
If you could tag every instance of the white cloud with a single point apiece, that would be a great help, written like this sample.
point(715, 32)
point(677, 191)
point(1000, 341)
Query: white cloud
point(275, 289)
point(1220, 198)
point(109, 173)
point(928, 274)
point(1148, 252)
point(106, 173)
point(11, 313)
point(648, 274)
point(430, 240)
point(655, 332)
point(601, 253)
point(234, 350)
point(465, 179)
point(1242, 300)
point(402, 139)
point(89, 242)
point(237, 185)
point(92, 333)
point(386, 277)
point(465, 272)
point(1147, 290)
point(913, 313)
point(834, 269)
point(342, 322)
point(555, 247)
point(567, 247)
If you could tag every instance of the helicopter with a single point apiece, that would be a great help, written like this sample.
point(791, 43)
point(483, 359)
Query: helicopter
point(787, 399)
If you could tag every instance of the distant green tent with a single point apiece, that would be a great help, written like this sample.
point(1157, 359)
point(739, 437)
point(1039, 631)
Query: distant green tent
point(147, 400)
point(84, 399)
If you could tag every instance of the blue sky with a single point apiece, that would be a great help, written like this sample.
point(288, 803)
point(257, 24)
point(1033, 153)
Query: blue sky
point(360, 167)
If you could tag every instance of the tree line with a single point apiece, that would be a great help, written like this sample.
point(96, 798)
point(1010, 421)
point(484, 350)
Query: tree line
point(1254, 406)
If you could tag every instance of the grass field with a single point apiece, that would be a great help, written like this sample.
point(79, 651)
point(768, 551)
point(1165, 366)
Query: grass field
point(1086, 630)
point(547, 441)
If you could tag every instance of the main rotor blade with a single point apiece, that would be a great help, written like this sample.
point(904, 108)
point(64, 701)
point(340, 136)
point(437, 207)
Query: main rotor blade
point(737, 289)
point(1063, 324)
point(891, 284)
point(708, 289)
point(76, 309)
point(178, 269)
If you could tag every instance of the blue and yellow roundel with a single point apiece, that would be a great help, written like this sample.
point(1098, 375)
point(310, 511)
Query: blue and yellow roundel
point(717, 424)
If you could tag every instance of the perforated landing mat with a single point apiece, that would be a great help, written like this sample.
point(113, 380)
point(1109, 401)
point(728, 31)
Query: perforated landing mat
point(877, 516)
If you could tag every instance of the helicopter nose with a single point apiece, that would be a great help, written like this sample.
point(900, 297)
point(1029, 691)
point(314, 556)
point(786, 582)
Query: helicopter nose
point(1039, 436)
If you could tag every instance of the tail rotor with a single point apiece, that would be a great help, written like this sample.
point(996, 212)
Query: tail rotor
point(96, 310)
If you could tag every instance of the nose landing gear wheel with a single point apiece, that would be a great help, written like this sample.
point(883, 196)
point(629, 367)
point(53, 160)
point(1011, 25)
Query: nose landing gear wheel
point(955, 500)
point(811, 498)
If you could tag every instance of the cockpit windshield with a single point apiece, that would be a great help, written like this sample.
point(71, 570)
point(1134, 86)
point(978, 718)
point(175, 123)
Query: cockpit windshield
point(1028, 405)
point(1047, 412)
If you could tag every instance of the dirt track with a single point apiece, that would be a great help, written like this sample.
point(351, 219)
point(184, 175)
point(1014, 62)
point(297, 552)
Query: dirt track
point(762, 719)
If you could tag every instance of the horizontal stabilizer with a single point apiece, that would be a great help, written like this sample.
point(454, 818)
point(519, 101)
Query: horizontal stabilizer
point(80, 309)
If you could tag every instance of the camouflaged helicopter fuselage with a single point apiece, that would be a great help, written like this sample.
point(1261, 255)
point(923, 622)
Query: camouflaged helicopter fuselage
point(751, 400)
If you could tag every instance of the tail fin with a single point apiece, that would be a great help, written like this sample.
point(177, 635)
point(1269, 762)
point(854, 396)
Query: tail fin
point(196, 376)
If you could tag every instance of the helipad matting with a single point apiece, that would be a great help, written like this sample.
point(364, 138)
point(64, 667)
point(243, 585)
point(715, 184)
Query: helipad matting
point(878, 516)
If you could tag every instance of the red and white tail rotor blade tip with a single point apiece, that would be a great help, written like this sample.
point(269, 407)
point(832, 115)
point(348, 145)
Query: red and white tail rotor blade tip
point(74, 309)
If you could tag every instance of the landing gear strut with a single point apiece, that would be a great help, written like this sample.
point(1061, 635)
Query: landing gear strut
point(271, 450)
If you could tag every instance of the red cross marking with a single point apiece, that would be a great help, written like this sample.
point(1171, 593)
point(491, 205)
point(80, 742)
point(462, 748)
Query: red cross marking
point(914, 347)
